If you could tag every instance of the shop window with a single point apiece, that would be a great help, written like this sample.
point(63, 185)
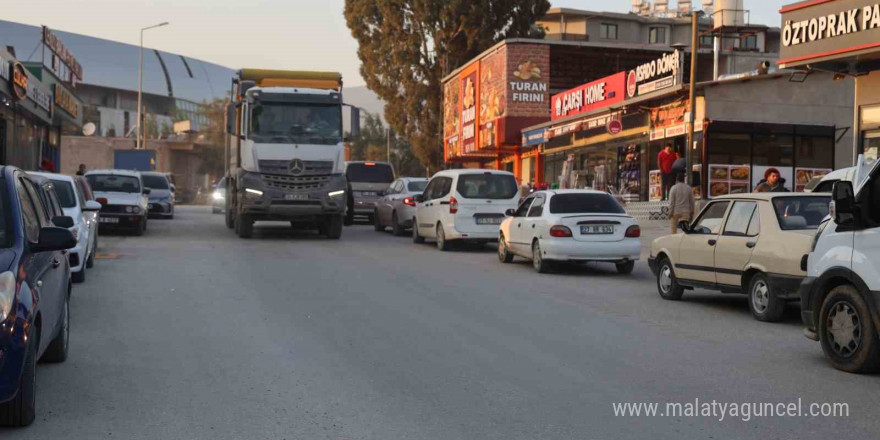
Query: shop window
point(871, 144)
point(729, 148)
point(773, 150)
point(749, 42)
point(814, 152)
point(608, 31)
point(657, 35)
point(707, 41)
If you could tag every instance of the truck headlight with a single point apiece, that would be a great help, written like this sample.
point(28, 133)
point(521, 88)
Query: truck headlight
point(218, 195)
point(336, 193)
point(7, 294)
point(255, 192)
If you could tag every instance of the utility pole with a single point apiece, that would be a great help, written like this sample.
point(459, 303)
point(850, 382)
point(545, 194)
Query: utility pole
point(388, 143)
point(689, 155)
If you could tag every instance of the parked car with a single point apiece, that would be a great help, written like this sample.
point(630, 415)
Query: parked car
point(396, 207)
point(161, 199)
point(123, 198)
point(218, 197)
point(464, 205)
point(367, 182)
point(34, 291)
point(746, 243)
point(570, 225)
point(85, 228)
point(840, 295)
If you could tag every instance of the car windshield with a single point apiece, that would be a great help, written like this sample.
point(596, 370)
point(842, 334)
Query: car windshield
point(487, 186)
point(801, 212)
point(66, 196)
point(417, 186)
point(585, 204)
point(369, 172)
point(286, 123)
point(114, 183)
point(155, 182)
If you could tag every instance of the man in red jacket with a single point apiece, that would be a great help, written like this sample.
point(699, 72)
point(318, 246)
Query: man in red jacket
point(665, 160)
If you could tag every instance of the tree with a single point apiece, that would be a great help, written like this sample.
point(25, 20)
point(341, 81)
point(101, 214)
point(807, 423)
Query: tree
point(407, 46)
point(372, 134)
point(213, 137)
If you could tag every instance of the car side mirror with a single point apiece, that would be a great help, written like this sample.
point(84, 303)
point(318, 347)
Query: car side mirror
point(54, 239)
point(172, 187)
point(62, 221)
point(684, 226)
point(843, 202)
point(147, 191)
point(510, 212)
point(92, 205)
point(419, 198)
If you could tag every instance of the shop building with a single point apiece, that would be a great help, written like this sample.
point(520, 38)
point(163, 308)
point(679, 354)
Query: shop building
point(26, 116)
point(843, 37)
point(743, 125)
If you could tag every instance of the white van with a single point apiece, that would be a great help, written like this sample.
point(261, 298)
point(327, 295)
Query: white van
point(464, 205)
point(840, 298)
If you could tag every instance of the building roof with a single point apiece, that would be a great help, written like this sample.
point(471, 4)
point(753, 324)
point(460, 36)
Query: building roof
point(112, 64)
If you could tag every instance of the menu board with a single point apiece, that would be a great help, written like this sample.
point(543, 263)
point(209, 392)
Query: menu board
point(728, 179)
point(655, 186)
point(802, 176)
point(629, 169)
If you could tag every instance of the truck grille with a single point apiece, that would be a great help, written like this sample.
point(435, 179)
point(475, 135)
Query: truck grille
point(282, 167)
point(304, 183)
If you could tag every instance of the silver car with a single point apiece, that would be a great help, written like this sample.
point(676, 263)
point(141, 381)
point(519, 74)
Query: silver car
point(396, 207)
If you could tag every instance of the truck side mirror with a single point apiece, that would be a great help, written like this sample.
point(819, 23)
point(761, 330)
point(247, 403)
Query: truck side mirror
point(230, 118)
point(355, 123)
point(843, 202)
point(244, 86)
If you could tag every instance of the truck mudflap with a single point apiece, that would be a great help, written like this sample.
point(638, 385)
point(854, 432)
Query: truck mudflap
point(277, 197)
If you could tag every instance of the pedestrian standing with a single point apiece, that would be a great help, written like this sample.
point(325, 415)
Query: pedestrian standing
point(82, 170)
point(665, 160)
point(681, 202)
point(773, 182)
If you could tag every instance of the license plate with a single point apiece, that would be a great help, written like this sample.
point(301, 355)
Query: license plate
point(488, 220)
point(108, 220)
point(597, 229)
point(296, 197)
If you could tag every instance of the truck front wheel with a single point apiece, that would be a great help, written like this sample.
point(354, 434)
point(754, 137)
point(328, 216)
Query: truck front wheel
point(333, 226)
point(244, 226)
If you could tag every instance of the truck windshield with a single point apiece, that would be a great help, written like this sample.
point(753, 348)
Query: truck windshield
point(285, 123)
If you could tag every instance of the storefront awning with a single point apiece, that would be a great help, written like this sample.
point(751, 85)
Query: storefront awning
point(638, 131)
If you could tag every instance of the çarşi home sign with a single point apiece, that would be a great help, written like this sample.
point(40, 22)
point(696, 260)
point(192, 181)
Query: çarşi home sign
point(821, 31)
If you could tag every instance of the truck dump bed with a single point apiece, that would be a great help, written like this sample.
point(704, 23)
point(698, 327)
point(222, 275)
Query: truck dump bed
point(292, 78)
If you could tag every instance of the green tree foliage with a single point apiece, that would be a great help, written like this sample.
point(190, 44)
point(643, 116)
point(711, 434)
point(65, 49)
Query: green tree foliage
point(372, 134)
point(213, 137)
point(407, 46)
point(373, 145)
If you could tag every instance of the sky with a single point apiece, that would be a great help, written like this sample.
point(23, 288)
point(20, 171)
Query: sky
point(280, 34)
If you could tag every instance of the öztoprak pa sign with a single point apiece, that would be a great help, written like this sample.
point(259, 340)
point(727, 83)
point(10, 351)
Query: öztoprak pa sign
point(819, 31)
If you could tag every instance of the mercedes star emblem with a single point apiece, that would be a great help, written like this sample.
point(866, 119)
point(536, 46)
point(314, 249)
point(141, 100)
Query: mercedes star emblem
point(297, 166)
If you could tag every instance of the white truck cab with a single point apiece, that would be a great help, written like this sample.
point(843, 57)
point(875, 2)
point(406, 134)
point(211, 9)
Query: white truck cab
point(840, 298)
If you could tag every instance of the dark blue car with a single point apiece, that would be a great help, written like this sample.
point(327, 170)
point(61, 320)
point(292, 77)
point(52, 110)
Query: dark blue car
point(34, 288)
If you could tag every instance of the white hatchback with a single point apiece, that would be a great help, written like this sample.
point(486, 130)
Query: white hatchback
point(464, 205)
point(570, 225)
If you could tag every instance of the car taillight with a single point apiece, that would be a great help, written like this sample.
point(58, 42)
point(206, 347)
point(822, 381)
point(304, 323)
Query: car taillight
point(409, 201)
point(560, 231)
point(101, 200)
point(634, 231)
point(453, 205)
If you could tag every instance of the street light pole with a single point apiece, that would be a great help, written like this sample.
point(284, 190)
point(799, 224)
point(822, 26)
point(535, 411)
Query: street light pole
point(141, 83)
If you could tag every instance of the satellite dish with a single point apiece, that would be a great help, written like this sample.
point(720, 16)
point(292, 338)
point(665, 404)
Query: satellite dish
point(89, 128)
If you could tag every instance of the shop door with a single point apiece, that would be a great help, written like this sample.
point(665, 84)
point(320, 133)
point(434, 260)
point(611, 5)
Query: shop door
point(696, 260)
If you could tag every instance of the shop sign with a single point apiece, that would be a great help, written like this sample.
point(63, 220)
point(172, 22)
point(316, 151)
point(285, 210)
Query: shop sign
point(817, 31)
point(469, 113)
point(39, 97)
point(66, 101)
point(19, 81)
point(534, 137)
point(614, 126)
point(57, 47)
point(659, 74)
point(588, 97)
point(585, 124)
point(529, 85)
point(677, 130)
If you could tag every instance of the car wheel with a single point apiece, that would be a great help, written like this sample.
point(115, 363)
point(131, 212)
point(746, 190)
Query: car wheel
point(57, 350)
point(79, 276)
point(442, 243)
point(504, 254)
point(667, 284)
point(763, 301)
point(538, 262)
point(626, 268)
point(334, 227)
point(244, 226)
point(396, 229)
point(377, 225)
point(847, 333)
point(21, 410)
point(417, 239)
point(139, 230)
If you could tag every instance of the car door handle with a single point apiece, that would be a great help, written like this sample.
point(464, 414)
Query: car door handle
point(751, 244)
point(518, 225)
point(56, 262)
point(533, 226)
point(444, 203)
point(712, 242)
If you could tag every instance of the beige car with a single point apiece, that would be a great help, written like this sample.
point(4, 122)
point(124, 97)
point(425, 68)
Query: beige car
point(748, 243)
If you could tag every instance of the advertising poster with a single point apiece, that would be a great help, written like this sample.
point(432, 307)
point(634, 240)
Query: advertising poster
point(655, 186)
point(493, 99)
point(728, 179)
point(451, 127)
point(786, 173)
point(469, 113)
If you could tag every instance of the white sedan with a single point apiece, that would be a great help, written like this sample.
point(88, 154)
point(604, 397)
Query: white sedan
point(570, 225)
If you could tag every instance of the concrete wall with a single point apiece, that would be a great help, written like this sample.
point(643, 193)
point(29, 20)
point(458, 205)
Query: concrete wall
point(817, 101)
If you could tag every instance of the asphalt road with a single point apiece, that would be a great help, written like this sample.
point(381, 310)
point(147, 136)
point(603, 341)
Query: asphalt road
point(191, 333)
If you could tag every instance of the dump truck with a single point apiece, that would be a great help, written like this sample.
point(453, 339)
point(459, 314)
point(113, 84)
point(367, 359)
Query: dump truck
point(285, 158)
